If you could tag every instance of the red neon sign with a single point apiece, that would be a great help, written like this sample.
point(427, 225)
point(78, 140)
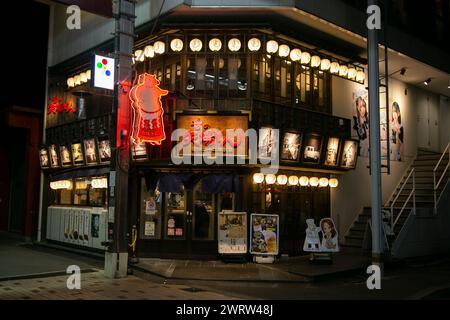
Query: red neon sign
point(145, 99)
point(56, 106)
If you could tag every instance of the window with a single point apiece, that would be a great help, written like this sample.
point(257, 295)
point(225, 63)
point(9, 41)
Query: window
point(150, 217)
point(81, 192)
point(176, 217)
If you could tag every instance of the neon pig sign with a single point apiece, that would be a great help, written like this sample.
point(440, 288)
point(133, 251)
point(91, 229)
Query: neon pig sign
point(145, 99)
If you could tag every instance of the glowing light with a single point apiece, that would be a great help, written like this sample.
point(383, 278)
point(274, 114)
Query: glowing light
point(351, 73)
point(296, 54)
point(314, 182)
point(176, 45)
point(254, 44)
point(343, 71)
point(77, 80)
point(195, 45)
point(88, 74)
point(271, 178)
point(70, 82)
point(334, 68)
point(323, 182)
point(258, 178)
point(293, 180)
point(306, 58)
point(360, 76)
point(234, 44)
point(283, 51)
point(304, 181)
point(215, 44)
point(325, 64)
point(282, 179)
point(83, 77)
point(139, 55)
point(272, 46)
point(333, 183)
point(315, 61)
point(99, 183)
point(159, 47)
point(149, 51)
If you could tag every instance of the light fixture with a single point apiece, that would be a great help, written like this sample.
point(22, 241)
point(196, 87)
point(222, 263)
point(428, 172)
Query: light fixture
point(283, 51)
point(343, 71)
point(323, 182)
point(282, 179)
point(314, 182)
point(160, 47)
point(61, 184)
point(304, 181)
point(99, 183)
point(139, 55)
point(196, 45)
point(83, 77)
point(427, 82)
point(271, 178)
point(258, 178)
point(333, 182)
point(315, 61)
point(149, 51)
point(234, 44)
point(176, 45)
point(88, 74)
point(334, 68)
point(325, 64)
point(403, 71)
point(360, 76)
point(306, 58)
point(295, 55)
point(351, 73)
point(70, 82)
point(293, 180)
point(254, 44)
point(77, 80)
point(215, 44)
point(190, 85)
point(272, 46)
point(242, 85)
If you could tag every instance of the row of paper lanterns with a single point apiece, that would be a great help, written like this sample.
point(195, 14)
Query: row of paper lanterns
point(79, 79)
point(303, 181)
point(254, 45)
point(96, 183)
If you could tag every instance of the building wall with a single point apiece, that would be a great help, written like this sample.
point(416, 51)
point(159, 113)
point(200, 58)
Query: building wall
point(354, 191)
point(444, 118)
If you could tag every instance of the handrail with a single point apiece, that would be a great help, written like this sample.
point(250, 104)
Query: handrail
point(436, 185)
point(411, 194)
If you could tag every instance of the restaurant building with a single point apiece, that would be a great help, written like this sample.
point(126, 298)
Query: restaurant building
point(298, 81)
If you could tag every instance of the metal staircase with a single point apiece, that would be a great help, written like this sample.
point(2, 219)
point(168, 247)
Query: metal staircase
point(420, 187)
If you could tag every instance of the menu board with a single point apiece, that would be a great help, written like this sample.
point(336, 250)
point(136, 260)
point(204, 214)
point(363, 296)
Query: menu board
point(232, 232)
point(264, 234)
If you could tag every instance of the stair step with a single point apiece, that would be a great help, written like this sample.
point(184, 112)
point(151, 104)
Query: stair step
point(436, 157)
point(353, 243)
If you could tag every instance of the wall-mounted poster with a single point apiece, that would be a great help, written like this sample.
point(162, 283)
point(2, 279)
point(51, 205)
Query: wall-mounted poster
point(43, 158)
point(54, 163)
point(361, 121)
point(90, 152)
point(290, 149)
point(104, 149)
point(267, 143)
point(232, 232)
point(77, 154)
point(332, 156)
point(66, 159)
point(264, 234)
point(139, 151)
point(397, 133)
point(349, 154)
point(312, 148)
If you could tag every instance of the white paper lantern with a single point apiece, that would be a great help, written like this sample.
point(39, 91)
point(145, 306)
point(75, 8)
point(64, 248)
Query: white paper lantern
point(304, 181)
point(215, 44)
point(343, 71)
point(83, 77)
point(351, 73)
point(176, 45)
point(234, 44)
point(325, 64)
point(306, 58)
point(149, 51)
point(296, 54)
point(196, 45)
point(271, 178)
point(88, 74)
point(314, 182)
point(334, 68)
point(282, 179)
point(283, 51)
point(159, 47)
point(77, 80)
point(323, 182)
point(272, 46)
point(139, 55)
point(254, 44)
point(360, 76)
point(70, 82)
point(258, 178)
point(315, 61)
point(293, 180)
point(333, 182)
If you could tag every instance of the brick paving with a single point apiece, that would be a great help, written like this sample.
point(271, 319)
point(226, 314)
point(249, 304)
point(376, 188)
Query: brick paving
point(95, 286)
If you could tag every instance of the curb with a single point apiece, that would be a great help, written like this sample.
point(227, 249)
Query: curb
point(88, 254)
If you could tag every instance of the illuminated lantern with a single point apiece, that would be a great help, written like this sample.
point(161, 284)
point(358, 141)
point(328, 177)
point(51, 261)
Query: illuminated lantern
point(293, 180)
point(77, 80)
point(360, 76)
point(160, 47)
point(145, 99)
point(258, 178)
point(282, 179)
point(314, 182)
point(234, 44)
point(351, 73)
point(343, 71)
point(315, 61)
point(325, 64)
point(271, 178)
point(88, 74)
point(215, 44)
point(70, 82)
point(83, 77)
point(333, 182)
point(304, 181)
point(222, 63)
point(334, 68)
point(176, 45)
point(139, 55)
point(272, 46)
point(295, 55)
point(195, 45)
point(283, 51)
point(323, 182)
point(254, 44)
point(149, 51)
point(306, 58)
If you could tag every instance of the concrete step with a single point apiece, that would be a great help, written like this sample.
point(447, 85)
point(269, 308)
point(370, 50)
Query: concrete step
point(354, 243)
point(436, 157)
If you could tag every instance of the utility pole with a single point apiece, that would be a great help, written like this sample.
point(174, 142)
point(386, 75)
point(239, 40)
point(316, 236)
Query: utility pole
point(116, 257)
point(375, 150)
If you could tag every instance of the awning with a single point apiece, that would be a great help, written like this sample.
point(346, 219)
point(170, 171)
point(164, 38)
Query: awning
point(89, 172)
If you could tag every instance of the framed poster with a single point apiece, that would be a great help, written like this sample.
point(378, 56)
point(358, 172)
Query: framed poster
point(104, 149)
point(267, 143)
point(332, 156)
point(312, 148)
point(54, 162)
point(66, 159)
point(264, 234)
point(90, 152)
point(77, 154)
point(232, 232)
point(43, 158)
point(349, 154)
point(290, 149)
point(139, 151)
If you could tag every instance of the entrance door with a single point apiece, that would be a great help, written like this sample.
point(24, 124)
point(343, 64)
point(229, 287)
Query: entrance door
point(428, 129)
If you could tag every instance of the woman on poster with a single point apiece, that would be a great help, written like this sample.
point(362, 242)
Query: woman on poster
point(397, 134)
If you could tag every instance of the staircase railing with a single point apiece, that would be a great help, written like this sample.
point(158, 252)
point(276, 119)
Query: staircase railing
point(436, 185)
point(412, 175)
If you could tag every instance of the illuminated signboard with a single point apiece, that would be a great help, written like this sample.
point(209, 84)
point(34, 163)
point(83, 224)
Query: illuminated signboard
point(103, 72)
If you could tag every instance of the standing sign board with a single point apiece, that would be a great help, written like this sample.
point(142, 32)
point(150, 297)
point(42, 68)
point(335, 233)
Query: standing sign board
point(264, 234)
point(232, 232)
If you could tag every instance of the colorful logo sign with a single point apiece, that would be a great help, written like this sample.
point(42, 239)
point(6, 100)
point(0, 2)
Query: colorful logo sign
point(145, 99)
point(104, 72)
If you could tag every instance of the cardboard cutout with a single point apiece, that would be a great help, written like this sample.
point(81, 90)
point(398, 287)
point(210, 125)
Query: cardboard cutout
point(312, 240)
point(330, 239)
